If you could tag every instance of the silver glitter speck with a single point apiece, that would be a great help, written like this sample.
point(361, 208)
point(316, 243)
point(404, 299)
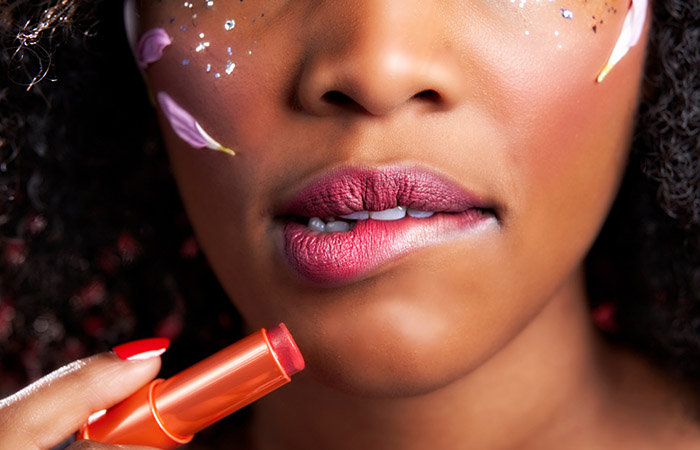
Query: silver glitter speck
point(230, 65)
point(208, 68)
point(567, 14)
point(210, 3)
point(228, 26)
point(201, 46)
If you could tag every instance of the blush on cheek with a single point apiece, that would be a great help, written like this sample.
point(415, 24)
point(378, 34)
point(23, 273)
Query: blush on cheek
point(581, 132)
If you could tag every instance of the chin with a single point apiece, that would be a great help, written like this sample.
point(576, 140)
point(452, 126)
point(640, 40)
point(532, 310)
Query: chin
point(383, 360)
point(379, 384)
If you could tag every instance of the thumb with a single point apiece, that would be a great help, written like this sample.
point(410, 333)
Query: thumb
point(46, 412)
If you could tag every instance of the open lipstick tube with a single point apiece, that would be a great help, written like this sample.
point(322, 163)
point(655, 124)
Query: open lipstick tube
point(167, 413)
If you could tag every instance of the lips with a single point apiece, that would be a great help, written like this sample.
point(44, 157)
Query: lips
point(441, 210)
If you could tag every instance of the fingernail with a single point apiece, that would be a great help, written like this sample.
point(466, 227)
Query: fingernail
point(142, 349)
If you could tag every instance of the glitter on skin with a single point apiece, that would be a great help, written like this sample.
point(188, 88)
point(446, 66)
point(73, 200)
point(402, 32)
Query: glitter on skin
point(567, 14)
point(201, 46)
point(229, 24)
point(230, 65)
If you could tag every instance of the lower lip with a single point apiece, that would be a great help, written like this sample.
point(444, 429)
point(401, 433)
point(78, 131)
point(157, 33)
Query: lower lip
point(333, 259)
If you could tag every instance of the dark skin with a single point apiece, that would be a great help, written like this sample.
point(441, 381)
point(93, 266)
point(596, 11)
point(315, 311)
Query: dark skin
point(453, 343)
point(497, 126)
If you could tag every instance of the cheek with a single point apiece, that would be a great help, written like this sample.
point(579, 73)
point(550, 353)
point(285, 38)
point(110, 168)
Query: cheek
point(567, 135)
point(563, 141)
point(569, 169)
point(575, 140)
point(210, 60)
point(562, 135)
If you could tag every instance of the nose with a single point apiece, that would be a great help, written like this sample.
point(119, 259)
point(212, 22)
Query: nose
point(376, 56)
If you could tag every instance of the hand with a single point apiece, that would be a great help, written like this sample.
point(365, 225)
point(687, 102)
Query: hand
point(45, 413)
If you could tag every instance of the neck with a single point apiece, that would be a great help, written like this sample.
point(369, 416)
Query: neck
point(540, 386)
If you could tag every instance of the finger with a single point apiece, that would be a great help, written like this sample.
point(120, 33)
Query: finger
point(46, 412)
point(94, 445)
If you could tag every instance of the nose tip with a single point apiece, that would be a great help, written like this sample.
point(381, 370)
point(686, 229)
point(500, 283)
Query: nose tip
point(377, 67)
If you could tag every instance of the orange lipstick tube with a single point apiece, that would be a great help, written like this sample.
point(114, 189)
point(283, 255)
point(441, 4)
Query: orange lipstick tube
point(167, 413)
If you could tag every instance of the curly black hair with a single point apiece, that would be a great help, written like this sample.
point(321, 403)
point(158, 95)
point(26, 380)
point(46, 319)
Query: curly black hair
point(95, 247)
point(645, 264)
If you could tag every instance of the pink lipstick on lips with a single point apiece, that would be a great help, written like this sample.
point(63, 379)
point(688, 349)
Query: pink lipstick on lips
point(352, 221)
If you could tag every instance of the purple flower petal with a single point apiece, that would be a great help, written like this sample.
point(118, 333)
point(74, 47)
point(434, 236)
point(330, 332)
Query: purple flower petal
point(183, 124)
point(151, 46)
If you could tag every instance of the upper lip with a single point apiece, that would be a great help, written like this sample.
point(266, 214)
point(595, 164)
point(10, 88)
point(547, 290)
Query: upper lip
point(346, 190)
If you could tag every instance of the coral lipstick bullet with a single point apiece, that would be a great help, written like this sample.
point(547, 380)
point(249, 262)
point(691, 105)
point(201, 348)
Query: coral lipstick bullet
point(167, 413)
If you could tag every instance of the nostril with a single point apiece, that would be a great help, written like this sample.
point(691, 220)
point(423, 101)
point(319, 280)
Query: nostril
point(341, 100)
point(337, 98)
point(428, 94)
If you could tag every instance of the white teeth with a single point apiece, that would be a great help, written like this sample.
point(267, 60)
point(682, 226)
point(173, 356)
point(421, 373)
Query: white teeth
point(316, 224)
point(364, 215)
point(389, 214)
point(358, 215)
point(337, 225)
point(331, 224)
point(418, 214)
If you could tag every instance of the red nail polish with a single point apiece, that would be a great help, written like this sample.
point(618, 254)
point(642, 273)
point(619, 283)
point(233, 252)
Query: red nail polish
point(142, 349)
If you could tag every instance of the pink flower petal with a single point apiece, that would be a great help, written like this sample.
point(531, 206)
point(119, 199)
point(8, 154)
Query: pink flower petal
point(183, 124)
point(151, 46)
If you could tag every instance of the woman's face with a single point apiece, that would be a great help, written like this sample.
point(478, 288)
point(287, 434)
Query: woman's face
point(484, 112)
